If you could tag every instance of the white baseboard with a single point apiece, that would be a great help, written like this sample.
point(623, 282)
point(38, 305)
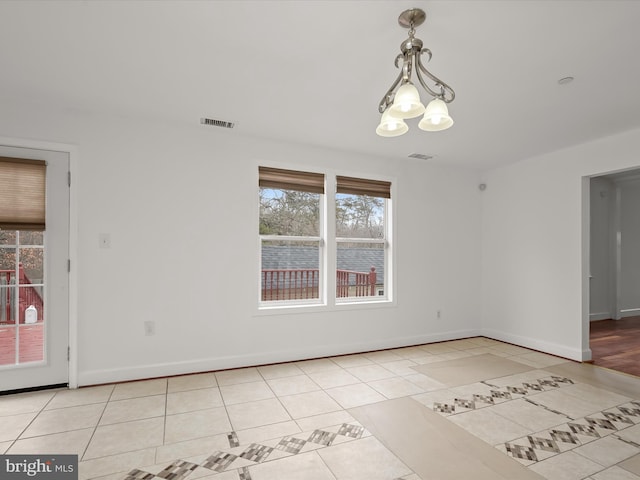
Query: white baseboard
point(138, 372)
point(540, 345)
point(593, 317)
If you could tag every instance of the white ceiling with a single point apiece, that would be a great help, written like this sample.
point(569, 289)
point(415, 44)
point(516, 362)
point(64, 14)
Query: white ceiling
point(314, 72)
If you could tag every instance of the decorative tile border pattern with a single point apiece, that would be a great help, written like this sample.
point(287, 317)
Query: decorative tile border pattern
point(291, 445)
point(136, 474)
point(220, 461)
point(499, 395)
point(541, 445)
point(547, 443)
point(178, 469)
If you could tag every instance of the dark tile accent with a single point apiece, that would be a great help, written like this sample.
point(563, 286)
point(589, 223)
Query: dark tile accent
point(483, 399)
point(233, 439)
point(614, 417)
point(243, 473)
point(444, 408)
point(518, 390)
point(461, 402)
point(353, 431)
point(561, 379)
point(533, 386)
point(291, 445)
point(520, 451)
point(547, 408)
point(548, 383)
point(488, 384)
point(628, 442)
point(599, 422)
point(560, 413)
point(256, 452)
point(177, 470)
point(219, 461)
point(634, 412)
point(543, 444)
point(565, 437)
point(321, 437)
point(499, 394)
point(136, 474)
point(584, 429)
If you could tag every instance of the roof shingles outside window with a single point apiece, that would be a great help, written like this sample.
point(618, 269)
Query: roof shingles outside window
point(301, 258)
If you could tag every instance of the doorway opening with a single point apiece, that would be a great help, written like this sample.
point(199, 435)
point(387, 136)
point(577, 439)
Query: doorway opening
point(614, 271)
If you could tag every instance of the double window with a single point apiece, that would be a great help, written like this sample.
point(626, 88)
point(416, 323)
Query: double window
point(318, 247)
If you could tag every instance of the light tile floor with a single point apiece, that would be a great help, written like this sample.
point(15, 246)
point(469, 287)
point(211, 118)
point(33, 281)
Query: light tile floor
point(560, 419)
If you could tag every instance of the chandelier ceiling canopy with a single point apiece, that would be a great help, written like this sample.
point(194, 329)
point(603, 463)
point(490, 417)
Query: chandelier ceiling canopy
point(402, 100)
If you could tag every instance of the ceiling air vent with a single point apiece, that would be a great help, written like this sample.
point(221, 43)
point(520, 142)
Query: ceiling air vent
point(421, 156)
point(217, 123)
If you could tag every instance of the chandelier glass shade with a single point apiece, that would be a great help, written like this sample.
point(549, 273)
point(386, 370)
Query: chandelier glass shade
point(391, 126)
point(407, 102)
point(436, 117)
point(402, 100)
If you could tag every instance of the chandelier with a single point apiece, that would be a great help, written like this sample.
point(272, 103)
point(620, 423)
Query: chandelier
point(404, 102)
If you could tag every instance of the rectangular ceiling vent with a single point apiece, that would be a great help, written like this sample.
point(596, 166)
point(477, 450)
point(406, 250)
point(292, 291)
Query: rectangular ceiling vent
point(421, 156)
point(217, 123)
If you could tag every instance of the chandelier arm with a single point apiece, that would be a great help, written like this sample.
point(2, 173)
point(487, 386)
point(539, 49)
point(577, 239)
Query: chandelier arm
point(446, 93)
point(388, 97)
point(399, 57)
point(407, 68)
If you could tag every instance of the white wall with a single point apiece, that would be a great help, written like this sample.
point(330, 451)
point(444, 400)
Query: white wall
point(180, 204)
point(535, 245)
point(629, 276)
point(602, 264)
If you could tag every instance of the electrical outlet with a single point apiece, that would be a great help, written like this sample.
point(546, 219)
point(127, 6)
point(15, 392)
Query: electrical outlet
point(149, 328)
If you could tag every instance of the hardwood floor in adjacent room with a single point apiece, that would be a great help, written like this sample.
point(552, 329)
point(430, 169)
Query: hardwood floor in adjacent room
point(615, 344)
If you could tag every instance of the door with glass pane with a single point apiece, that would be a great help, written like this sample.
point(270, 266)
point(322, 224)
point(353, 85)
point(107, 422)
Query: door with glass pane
point(34, 299)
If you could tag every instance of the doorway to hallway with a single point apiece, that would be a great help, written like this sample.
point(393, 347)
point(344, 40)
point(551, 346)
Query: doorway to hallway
point(615, 344)
point(614, 271)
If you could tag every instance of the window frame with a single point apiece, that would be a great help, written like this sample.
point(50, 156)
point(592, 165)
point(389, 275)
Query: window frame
point(279, 179)
point(321, 299)
point(328, 243)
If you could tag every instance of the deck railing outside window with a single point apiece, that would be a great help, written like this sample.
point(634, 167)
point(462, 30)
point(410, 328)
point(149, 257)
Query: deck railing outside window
point(27, 295)
point(303, 284)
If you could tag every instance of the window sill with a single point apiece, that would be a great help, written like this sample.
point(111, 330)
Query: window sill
point(289, 309)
